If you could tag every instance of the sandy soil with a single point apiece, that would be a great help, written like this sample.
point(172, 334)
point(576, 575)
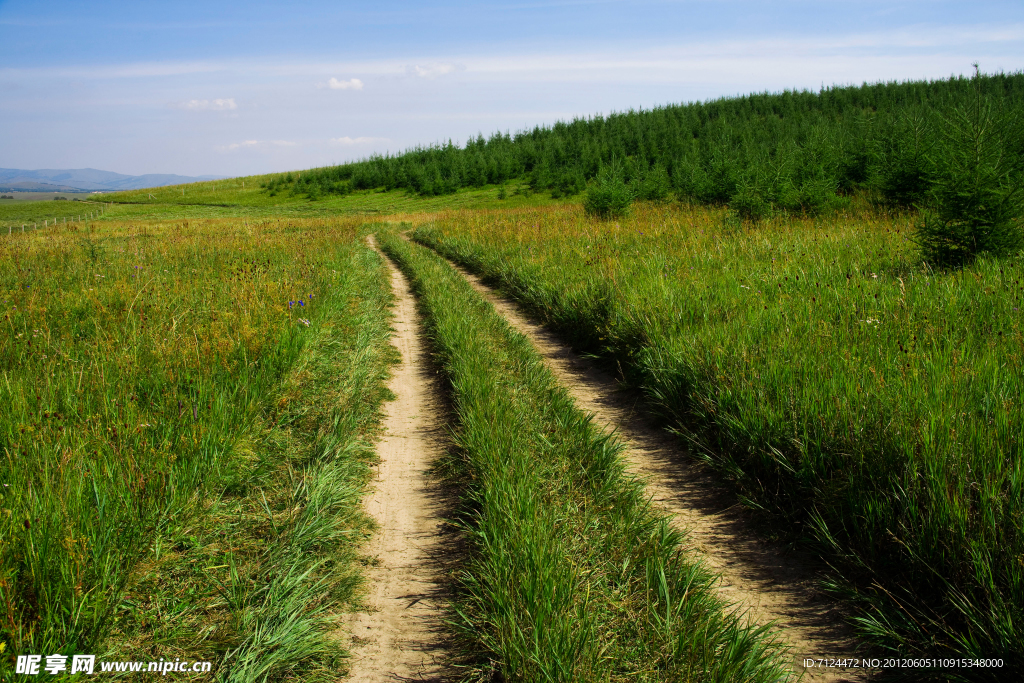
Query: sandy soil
point(775, 586)
point(399, 636)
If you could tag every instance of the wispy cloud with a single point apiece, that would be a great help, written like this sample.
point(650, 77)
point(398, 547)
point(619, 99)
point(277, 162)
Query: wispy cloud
point(257, 144)
point(225, 104)
point(348, 142)
point(127, 70)
point(351, 84)
point(432, 70)
point(921, 36)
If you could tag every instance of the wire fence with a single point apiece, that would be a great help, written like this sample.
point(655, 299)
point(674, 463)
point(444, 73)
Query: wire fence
point(95, 210)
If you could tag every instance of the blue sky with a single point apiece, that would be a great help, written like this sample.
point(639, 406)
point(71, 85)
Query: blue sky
point(235, 88)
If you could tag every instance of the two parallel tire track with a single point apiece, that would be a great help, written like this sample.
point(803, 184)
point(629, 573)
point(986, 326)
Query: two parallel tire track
point(774, 587)
point(399, 636)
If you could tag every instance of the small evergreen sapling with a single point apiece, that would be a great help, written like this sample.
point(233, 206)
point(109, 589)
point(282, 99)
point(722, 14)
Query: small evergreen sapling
point(976, 194)
point(608, 195)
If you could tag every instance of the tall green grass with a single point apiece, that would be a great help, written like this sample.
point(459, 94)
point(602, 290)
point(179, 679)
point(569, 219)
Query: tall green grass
point(571, 575)
point(142, 376)
point(329, 405)
point(866, 402)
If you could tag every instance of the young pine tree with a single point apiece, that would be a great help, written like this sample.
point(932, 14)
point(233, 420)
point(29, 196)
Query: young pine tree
point(976, 194)
point(609, 195)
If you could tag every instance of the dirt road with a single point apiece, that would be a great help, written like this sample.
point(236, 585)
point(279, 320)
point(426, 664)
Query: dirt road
point(399, 636)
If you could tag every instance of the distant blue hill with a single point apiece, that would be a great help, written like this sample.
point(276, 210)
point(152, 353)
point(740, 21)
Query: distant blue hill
point(87, 179)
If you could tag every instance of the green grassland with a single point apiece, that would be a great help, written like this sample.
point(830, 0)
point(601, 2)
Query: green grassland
point(843, 386)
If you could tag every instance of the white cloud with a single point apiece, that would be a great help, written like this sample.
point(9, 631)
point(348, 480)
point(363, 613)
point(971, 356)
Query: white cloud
point(351, 84)
point(348, 142)
point(432, 70)
point(238, 145)
point(210, 105)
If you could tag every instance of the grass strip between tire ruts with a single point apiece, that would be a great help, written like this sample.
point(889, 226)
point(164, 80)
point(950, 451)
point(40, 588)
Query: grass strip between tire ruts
point(571, 575)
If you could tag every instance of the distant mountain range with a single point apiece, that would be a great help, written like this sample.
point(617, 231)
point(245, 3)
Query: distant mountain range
point(87, 180)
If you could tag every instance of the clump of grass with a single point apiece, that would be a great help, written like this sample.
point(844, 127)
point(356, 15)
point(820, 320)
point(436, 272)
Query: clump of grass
point(870, 404)
point(572, 576)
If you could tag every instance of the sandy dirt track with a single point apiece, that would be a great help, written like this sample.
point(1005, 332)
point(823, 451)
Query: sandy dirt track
point(399, 637)
point(775, 586)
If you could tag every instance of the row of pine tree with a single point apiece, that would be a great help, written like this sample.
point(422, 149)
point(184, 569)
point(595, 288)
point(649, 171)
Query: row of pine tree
point(793, 151)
